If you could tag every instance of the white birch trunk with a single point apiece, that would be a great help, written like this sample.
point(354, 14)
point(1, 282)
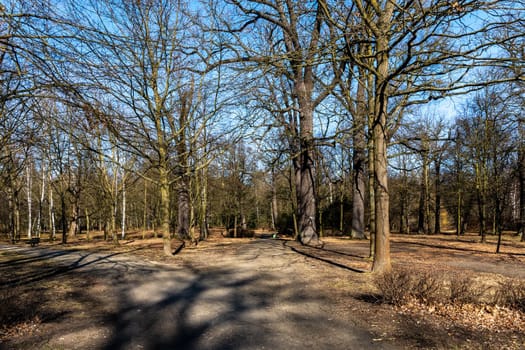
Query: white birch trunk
point(123, 207)
point(51, 209)
point(29, 201)
point(42, 196)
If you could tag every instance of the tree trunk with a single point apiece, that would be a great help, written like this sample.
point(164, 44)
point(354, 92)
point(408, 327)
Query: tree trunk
point(88, 225)
point(306, 200)
point(404, 224)
point(73, 224)
point(39, 222)
point(123, 224)
point(183, 226)
point(422, 224)
point(380, 135)
point(293, 183)
point(145, 205)
point(64, 218)
point(235, 225)
point(17, 232)
point(498, 219)
point(437, 218)
point(521, 176)
point(13, 214)
point(371, 193)
point(52, 223)
point(274, 204)
point(114, 208)
point(358, 164)
point(164, 190)
point(481, 197)
point(305, 177)
point(203, 212)
point(29, 184)
point(382, 216)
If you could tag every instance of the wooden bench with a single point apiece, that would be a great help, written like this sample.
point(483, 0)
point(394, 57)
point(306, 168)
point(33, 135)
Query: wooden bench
point(34, 241)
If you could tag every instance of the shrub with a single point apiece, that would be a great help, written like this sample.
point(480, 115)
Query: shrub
point(511, 294)
point(427, 287)
point(465, 290)
point(395, 286)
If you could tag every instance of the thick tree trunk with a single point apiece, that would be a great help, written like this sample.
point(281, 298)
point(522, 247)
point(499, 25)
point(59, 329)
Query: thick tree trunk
point(305, 177)
point(371, 194)
point(359, 163)
point(73, 223)
point(382, 216)
point(358, 203)
point(203, 212)
point(164, 190)
point(306, 201)
point(183, 213)
point(382, 262)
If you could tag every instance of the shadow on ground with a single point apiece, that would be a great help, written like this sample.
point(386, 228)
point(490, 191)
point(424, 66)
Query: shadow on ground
point(111, 302)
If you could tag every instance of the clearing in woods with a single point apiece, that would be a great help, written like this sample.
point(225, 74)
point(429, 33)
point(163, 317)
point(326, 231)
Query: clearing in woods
point(247, 293)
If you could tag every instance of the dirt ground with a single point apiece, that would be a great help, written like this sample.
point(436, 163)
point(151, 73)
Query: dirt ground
point(247, 293)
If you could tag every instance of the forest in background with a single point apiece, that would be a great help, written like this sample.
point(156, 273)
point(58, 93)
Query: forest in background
point(309, 118)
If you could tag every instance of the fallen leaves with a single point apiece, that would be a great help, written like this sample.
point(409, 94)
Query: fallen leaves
point(473, 317)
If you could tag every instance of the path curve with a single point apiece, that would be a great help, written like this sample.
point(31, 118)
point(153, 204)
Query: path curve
point(254, 297)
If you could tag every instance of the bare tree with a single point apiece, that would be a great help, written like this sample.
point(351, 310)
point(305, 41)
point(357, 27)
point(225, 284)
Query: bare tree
point(293, 31)
point(418, 52)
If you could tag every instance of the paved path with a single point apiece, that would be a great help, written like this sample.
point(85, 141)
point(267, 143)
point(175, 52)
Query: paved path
point(254, 297)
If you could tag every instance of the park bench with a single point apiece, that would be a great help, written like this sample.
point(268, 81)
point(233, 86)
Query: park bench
point(34, 241)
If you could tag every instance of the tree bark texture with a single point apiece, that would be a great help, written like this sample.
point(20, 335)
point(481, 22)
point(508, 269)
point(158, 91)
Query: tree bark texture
point(358, 164)
point(521, 175)
point(382, 262)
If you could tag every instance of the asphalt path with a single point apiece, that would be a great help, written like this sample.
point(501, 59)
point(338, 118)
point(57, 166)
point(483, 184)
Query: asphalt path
point(259, 296)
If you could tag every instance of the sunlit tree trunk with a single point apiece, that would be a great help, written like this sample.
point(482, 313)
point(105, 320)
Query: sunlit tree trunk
point(380, 135)
point(29, 185)
point(123, 223)
point(437, 187)
point(274, 203)
point(145, 206)
point(63, 219)
point(306, 203)
point(164, 207)
point(371, 193)
point(521, 176)
point(359, 164)
point(39, 221)
point(52, 223)
point(88, 225)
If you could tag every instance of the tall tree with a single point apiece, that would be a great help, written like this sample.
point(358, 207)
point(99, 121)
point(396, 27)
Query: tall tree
point(418, 52)
point(139, 53)
point(295, 32)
